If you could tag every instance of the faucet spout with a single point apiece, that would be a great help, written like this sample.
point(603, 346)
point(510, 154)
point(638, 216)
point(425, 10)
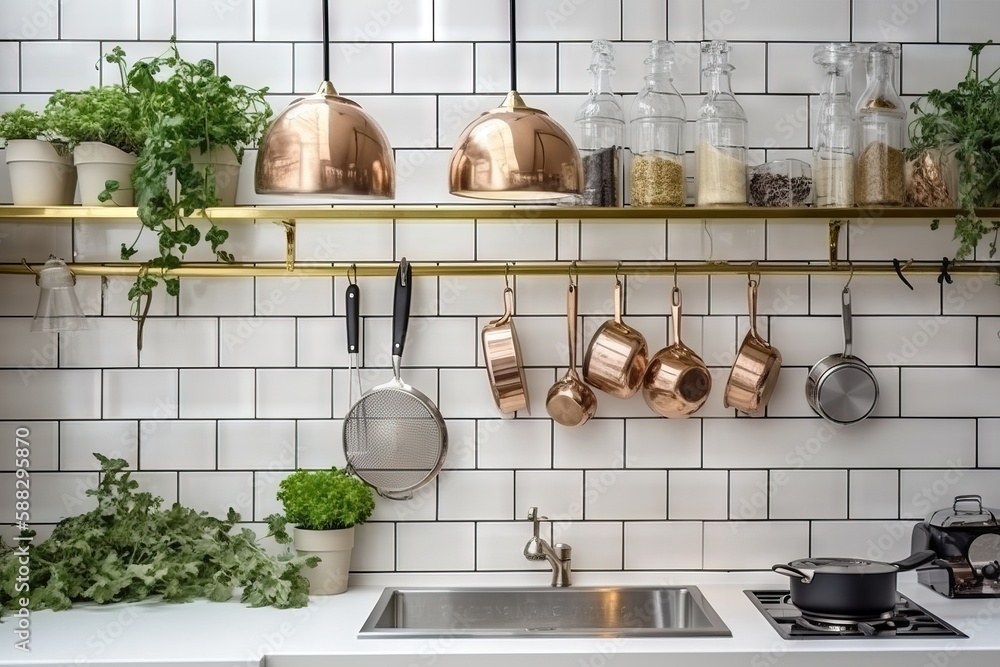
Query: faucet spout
point(559, 556)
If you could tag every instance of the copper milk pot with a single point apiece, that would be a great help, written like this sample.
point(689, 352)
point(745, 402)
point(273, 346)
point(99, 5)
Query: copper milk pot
point(617, 356)
point(755, 371)
point(504, 360)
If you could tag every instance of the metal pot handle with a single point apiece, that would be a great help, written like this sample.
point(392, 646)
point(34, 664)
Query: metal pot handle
point(789, 571)
point(508, 308)
point(752, 308)
point(848, 326)
point(914, 560)
point(968, 498)
point(675, 314)
point(618, 301)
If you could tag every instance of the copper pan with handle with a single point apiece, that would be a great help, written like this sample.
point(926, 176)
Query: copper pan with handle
point(755, 371)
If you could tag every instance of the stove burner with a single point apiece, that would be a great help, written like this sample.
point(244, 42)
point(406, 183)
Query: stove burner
point(905, 621)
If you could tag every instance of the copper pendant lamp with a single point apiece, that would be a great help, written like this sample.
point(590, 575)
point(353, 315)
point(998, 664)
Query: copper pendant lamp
point(515, 152)
point(325, 144)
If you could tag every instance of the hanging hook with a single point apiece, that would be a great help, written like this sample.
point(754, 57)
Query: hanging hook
point(851, 276)
point(353, 270)
point(506, 275)
point(618, 273)
point(675, 275)
point(945, 277)
point(24, 263)
point(752, 271)
point(574, 278)
point(899, 270)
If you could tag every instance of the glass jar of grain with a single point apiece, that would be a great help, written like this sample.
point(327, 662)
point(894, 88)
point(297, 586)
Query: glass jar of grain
point(881, 124)
point(836, 127)
point(600, 124)
point(721, 130)
point(657, 134)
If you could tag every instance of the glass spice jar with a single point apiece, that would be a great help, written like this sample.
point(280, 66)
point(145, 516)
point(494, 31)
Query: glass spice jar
point(600, 125)
point(836, 127)
point(657, 134)
point(879, 179)
point(721, 131)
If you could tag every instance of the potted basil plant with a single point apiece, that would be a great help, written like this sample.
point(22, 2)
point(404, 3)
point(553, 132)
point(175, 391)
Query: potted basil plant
point(41, 168)
point(104, 127)
point(324, 506)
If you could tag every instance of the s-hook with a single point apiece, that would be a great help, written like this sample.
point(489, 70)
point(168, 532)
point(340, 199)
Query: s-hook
point(352, 274)
point(945, 277)
point(849, 277)
point(574, 276)
point(675, 275)
point(506, 275)
point(754, 269)
point(618, 273)
point(899, 270)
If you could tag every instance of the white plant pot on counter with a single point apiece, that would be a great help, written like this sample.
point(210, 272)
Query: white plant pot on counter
point(333, 547)
point(98, 163)
point(40, 175)
point(226, 167)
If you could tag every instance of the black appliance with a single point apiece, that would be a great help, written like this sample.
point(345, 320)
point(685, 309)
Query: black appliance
point(966, 539)
point(907, 621)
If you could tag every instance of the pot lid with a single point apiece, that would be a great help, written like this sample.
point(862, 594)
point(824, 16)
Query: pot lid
point(966, 511)
point(842, 566)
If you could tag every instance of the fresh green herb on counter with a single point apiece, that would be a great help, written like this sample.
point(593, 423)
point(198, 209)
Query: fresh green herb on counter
point(128, 549)
point(968, 117)
point(323, 500)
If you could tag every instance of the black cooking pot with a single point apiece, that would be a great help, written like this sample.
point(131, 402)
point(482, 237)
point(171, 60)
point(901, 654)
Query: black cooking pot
point(950, 532)
point(847, 588)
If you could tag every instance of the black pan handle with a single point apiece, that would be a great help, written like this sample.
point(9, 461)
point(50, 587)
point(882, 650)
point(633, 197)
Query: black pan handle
point(401, 306)
point(353, 306)
point(915, 560)
point(793, 572)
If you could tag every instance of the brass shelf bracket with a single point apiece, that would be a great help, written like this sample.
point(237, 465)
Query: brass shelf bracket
point(835, 227)
point(289, 226)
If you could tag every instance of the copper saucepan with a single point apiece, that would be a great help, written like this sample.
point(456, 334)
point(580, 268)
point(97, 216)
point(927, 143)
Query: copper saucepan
point(617, 355)
point(502, 353)
point(755, 372)
point(570, 402)
point(676, 382)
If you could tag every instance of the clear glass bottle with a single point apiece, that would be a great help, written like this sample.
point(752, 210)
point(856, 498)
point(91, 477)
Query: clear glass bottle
point(836, 130)
point(881, 123)
point(721, 132)
point(601, 128)
point(657, 134)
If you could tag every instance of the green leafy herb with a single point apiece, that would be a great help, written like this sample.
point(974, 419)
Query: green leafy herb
point(128, 549)
point(192, 109)
point(22, 123)
point(968, 117)
point(323, 500)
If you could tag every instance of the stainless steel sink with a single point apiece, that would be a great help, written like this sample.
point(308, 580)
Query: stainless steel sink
point(544, 612)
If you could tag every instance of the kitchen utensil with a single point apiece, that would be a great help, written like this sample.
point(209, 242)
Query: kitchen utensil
point(966, 539)
point(841, 388)
point(502, 353)
point(570, 402)
point(676, 382)
point(352, 304)
point(617, 355)
point(394, 437)
point(755, 372)
point(847, 587)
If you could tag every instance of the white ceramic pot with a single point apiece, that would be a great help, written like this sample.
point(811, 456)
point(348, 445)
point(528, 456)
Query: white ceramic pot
point(226, 167)
point(98, 163)
point(333, 547)
point(39, 174)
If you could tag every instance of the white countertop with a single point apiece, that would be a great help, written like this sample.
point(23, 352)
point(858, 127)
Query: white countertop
point(202, 633)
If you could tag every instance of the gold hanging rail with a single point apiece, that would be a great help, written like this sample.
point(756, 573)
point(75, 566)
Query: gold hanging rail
point(583, 268)
point(376, 213)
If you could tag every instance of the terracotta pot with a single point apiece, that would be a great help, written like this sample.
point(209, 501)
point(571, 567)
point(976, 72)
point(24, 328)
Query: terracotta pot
point(333, 547)
point(98, 163)
point(40, 175)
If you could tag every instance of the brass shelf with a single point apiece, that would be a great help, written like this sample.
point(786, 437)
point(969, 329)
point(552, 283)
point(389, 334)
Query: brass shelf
point(564, 268)
point(519, 213)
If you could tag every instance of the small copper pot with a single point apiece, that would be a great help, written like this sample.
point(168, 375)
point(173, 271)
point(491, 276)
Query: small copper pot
point(570, 402)
point(502, 353)
point(676, 382)
point(617, 356)
point(755, 372)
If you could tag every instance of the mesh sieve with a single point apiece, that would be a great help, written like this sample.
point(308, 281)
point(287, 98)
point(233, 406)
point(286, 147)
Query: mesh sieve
point(394, 439)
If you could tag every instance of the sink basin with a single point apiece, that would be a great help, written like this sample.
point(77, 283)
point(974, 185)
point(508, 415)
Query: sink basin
point(544, 612)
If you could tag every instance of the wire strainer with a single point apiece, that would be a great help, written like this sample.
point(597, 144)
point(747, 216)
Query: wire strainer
point(394, 436)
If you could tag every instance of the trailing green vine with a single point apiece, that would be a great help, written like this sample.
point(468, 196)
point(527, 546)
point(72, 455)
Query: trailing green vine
point(968, 117)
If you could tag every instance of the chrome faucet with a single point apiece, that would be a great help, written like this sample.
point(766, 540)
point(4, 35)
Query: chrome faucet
point(558, 556)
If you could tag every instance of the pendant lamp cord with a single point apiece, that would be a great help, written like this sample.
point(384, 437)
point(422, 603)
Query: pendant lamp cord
point(326, 40)
point(513, 46)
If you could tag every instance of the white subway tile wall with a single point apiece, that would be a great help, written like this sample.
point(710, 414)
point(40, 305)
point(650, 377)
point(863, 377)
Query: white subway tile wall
point(241, 380)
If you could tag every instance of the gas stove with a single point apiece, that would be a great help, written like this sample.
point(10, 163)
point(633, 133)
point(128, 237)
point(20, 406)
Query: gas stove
point(908, 620)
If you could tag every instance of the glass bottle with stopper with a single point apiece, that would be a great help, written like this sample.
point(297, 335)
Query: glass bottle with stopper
point(600, 125)
point(721, 134)
point(881, 124)
point(657, 134)
point(836, 129)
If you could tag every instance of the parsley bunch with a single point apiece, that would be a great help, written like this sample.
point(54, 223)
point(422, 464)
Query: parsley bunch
point(21, 123)
point(968, 117)
point(325, 499)
point(128, 549)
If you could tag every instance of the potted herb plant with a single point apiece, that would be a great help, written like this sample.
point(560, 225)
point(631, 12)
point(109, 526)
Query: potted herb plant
point(41, 169)
point(106, 131)
point(965, 122)
point(198, 124)
point(324, 506)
